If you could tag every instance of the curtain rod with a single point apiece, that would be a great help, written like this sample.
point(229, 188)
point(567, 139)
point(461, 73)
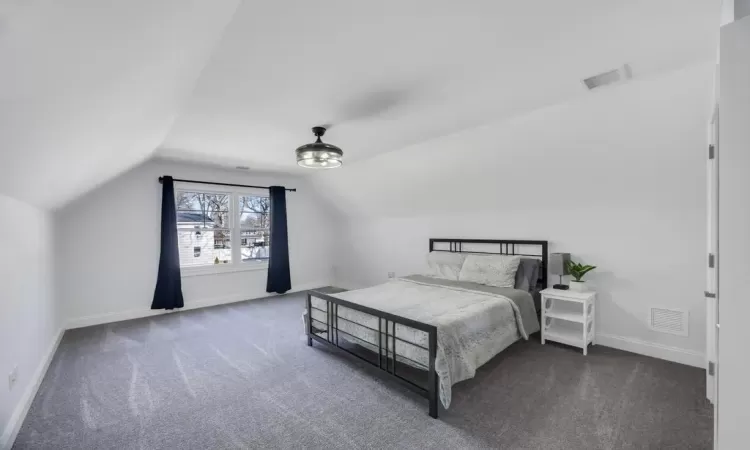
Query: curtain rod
point(161, 180)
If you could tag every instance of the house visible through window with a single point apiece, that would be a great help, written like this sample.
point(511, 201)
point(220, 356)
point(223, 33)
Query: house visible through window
point(203, 229)
point(217, 228)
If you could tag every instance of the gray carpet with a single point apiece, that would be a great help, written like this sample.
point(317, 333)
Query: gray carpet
point(241, 376)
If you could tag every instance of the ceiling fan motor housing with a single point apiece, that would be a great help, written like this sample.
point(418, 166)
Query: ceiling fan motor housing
point(319, 155)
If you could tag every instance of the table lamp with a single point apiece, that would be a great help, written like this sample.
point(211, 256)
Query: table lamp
point(558, 265)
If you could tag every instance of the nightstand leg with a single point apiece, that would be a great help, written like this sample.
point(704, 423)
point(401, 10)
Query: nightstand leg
point(585, 328)
point(544, 319)
point(593, 327)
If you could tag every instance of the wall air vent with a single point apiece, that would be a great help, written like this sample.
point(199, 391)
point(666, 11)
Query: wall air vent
point(611, 77)
point(668, 320)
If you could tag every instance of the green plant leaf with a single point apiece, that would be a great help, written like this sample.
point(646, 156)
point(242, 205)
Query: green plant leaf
point(578, 270)
point(587, 269)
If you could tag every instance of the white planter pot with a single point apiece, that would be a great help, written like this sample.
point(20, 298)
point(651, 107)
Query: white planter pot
point(578, 286)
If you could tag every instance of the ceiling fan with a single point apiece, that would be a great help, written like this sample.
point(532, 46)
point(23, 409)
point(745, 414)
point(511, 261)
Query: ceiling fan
point(320, 155)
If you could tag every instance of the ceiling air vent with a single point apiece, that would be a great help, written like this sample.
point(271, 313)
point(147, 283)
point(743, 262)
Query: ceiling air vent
point(672, 321)
point(611, 77)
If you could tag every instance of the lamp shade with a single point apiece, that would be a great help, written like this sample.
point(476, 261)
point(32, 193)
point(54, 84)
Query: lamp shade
point(558, 263)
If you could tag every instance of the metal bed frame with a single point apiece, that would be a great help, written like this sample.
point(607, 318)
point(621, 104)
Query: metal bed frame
point(328, 332)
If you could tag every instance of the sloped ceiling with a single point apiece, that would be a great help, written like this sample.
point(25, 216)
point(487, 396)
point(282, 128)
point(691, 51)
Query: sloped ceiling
point(635, 146)
point(89, 88)
point(391, 73)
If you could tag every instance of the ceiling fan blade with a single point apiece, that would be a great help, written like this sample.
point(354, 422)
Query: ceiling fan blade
point(374, 103)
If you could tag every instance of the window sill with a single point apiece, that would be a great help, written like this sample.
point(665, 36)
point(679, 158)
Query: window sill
point(221, 268)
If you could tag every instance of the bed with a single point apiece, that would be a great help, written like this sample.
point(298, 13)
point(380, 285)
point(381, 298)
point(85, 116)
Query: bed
point(430, 332)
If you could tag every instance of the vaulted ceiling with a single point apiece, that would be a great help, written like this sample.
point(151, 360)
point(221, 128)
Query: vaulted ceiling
point(90, 88)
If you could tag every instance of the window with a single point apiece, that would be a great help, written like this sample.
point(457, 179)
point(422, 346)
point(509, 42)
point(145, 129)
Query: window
point(203, 229)
point(255, 231)
point(222, 229)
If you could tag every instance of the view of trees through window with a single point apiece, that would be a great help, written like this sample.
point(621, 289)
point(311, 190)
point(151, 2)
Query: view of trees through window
point(205, 225)
point(255, 232)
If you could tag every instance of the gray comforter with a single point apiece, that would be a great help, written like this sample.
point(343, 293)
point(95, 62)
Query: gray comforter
point(523, 300)
point(474, 322)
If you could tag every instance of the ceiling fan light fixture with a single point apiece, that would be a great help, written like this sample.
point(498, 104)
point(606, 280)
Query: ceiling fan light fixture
point(319, 155)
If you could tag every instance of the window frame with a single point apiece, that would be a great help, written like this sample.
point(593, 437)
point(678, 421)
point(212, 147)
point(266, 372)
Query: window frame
point(236, 264)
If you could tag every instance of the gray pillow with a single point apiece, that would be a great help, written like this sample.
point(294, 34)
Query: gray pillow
point(534, 280)
point(527, 274)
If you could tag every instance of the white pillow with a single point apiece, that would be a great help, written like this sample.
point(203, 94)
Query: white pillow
point(492, 270)
point(445, 265)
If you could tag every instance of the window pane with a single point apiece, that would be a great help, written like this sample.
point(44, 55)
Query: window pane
point(255, 245)
point(188, 201)
point(254, 209)
point(204, 210)
point(204, 247)
point(255, 221)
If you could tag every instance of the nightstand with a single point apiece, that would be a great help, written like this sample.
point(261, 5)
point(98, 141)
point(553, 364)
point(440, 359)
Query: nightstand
point(568, 317)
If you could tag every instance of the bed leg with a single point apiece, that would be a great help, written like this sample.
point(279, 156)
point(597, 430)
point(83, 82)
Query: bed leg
point(432, 381)
point(433, 406)
point(308, 322)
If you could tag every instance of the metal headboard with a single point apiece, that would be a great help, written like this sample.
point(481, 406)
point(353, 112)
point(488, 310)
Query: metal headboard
point(500, 247)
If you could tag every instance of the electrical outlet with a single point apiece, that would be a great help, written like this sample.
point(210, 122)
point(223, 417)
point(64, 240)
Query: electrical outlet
point(12, 377)
point(391, 274)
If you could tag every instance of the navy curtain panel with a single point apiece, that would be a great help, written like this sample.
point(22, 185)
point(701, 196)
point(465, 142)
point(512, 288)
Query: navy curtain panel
point(168, 292)
point(279, 280)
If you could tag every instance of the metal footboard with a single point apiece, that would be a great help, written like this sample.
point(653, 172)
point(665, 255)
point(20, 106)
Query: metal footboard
point(329, 333)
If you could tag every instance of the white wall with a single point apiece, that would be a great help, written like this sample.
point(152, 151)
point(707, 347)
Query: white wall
point(734, 235)
point(727, 11)
point(617, 179)
point(29, 318)
point(108, 245)
point(741, 9)
point(732, 10)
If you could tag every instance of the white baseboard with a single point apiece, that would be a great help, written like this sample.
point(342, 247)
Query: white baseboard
point(99, 319)
point(674, 354)
point(19, 414)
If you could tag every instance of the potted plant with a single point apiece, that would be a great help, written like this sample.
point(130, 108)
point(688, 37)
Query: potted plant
point(577, 271)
